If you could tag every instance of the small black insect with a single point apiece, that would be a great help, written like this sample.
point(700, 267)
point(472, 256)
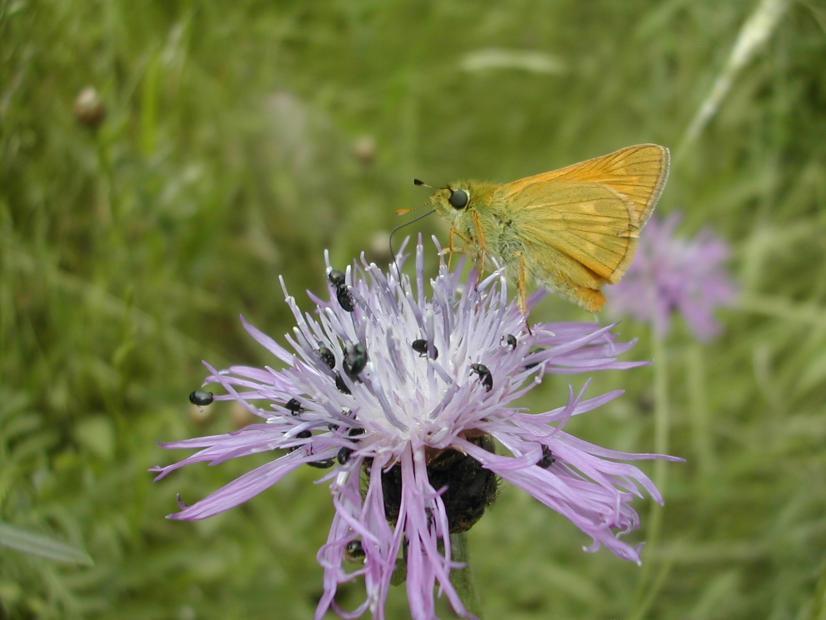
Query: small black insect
point(509, 340)
point(354, 550)
point(327, 357)
point(344, 455)
point(470, 487)
point(484, 375)
point(294, 406)
point(343, 294)
point(547, 459)
point(325, 464)
point(305, 434)
point(355, 359)
point(201, 398)
point(336, 278)
point(458, 198)
point(355, 431)
point(424, 348)
point(342, 387)
point(345, 298)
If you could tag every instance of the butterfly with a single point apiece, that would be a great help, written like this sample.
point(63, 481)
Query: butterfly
point(572, 230)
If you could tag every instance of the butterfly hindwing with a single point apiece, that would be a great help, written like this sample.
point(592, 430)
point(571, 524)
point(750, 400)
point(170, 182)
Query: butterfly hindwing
point(591, 212)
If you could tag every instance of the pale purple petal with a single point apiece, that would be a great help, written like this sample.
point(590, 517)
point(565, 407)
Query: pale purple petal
point(240, 490)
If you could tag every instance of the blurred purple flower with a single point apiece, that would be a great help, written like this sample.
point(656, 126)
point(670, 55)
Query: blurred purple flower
point(671, 275)
point(405, 391)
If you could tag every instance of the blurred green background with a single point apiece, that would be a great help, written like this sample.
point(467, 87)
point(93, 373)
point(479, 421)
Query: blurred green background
point(240, 139)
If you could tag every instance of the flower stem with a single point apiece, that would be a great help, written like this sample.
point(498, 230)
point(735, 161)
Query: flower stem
point(649, 584)
point(661, 414)
point(462, 578)
point(698, 403)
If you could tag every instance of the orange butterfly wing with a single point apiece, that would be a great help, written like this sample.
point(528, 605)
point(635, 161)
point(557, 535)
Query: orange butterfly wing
point(580, 223)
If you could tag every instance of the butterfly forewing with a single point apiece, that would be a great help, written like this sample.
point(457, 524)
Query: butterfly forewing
point(637, 172)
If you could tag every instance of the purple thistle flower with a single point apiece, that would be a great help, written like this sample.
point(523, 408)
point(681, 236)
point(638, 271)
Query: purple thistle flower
point(399, 397)
point(671, 275)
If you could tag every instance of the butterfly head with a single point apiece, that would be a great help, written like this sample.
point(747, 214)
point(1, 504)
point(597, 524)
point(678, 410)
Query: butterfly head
point(453, 201)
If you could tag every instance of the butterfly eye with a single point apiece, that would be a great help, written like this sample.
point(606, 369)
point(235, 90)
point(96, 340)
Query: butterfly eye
point(458, 198)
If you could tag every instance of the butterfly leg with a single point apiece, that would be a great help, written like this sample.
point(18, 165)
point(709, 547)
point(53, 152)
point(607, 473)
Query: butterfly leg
point(523, 286)
point(522, 283)
point(482, 241)
point(450, 249)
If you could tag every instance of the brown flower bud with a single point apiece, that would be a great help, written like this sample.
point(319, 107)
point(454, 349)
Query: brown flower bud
point(89, 108)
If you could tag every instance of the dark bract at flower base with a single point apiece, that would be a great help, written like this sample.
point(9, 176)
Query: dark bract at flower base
point(468, 487)
point(408, 436)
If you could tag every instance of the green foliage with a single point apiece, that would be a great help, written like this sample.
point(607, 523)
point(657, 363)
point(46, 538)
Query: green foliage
point(36, 544)
point(233, 149)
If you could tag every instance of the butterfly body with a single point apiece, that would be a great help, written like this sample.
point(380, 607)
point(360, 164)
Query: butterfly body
point(572, 230)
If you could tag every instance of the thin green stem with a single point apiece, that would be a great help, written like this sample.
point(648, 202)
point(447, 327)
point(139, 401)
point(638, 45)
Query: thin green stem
point(698, 406)
point(819, 600)
point(649, 583)
point(661, 410)
point(462, 578)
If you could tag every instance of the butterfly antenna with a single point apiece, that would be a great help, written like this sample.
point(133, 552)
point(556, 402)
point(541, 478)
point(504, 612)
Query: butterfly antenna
point(398, 228)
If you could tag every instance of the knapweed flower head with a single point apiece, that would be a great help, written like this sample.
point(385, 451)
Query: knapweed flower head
point(674, 275)
point(399, 396)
